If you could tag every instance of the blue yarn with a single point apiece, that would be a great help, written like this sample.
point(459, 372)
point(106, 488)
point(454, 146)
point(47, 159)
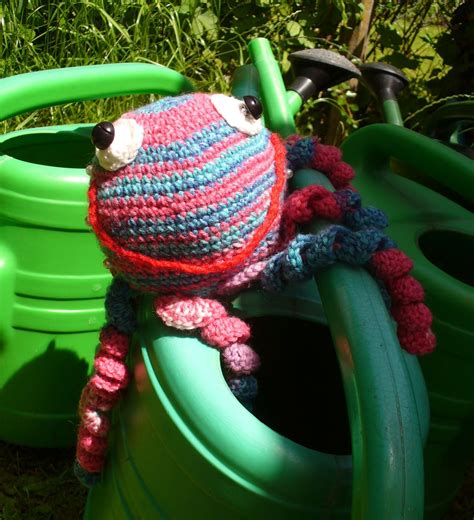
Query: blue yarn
point(118, 306)
point(245, 388)
point(87, 479)
point(300, 154)
point(363, 218)
point(348, 200)
point(307, 253)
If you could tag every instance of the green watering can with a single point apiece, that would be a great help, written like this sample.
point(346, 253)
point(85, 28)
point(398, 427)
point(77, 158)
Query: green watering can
point(427, 190)
point(184, 447)
point(52, 282)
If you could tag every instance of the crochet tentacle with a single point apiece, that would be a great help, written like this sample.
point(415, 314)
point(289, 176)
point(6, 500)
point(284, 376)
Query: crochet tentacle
point(218, 329)
point(308, 152)
point(316, 201)
point(105, 387)
point(368, 247)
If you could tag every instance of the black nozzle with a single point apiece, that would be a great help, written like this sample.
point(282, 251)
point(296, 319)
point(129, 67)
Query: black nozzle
point(319, 69)
point(383, 80)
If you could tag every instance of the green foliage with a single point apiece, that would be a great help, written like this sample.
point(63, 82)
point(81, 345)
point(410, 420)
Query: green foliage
point(419, 37)
point(206, 40)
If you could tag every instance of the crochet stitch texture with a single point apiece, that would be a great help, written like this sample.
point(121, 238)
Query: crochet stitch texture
point(198, 211)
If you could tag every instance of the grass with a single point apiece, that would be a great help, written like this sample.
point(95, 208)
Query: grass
point(38, 484)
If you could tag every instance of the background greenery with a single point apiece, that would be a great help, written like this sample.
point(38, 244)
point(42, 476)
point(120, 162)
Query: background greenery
point(206, 40)
point(429, 40)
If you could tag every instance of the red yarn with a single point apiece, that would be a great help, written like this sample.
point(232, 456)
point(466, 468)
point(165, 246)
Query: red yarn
point(340, 175)
point(418, 342)
point(391, 263)
point(412, 316)
point(405, 289)
point(326, 157)
point(111, 368)
point(303, 205)
point(107, 388)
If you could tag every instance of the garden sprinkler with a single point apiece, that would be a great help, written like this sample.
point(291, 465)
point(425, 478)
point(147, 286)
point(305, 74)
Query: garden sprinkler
point(385, 82)
point(319, 69)
point(315, 70)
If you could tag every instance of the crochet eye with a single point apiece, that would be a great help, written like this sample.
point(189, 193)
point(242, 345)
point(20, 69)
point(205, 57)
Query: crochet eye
point(117, 144)
point(244, 115)
point(253, 106)
point(103, 135)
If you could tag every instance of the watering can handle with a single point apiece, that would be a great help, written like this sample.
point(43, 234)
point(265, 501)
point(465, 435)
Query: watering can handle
point(27, 92)
point(380, 143)
point(385, 392)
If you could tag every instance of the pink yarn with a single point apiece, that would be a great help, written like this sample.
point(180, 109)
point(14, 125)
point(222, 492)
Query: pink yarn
point(187, 313)
point(225, 331)
point(242, 279)
point(107, 388)
point(91, 462)
point(92, 443)
point(114, 343)
point(96, 423)
point(240, 359)
point(111, 369)
point(90, 399)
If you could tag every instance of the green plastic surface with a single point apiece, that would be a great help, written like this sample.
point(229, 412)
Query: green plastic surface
point(52, 281)
point(391, 112)
point(214, 459)
point(438, 234)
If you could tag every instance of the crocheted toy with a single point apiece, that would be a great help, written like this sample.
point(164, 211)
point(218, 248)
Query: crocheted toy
point(188, 198)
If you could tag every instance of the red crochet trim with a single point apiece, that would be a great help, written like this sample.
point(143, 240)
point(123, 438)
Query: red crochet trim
point(139, 261)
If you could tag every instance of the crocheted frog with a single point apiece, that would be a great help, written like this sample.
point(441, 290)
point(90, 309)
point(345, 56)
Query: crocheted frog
point(189, 201)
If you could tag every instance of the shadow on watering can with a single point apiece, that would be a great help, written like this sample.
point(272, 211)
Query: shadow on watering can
point(52, 281)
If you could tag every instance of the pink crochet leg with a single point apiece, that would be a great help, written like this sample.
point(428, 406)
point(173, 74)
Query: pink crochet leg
point(218, 329)
point(97, 400)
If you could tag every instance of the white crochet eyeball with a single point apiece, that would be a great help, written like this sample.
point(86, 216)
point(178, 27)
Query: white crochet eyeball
point(235, 112)
point(128, 137)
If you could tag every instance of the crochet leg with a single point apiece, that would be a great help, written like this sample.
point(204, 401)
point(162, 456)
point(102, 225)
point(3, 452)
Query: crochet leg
point(368, 247)
point(315, 201)
point(307, 152)
point(220, 330)
point(105, 387)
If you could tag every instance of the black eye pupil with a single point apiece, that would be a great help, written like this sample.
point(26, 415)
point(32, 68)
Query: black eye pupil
point(253, 106)
point(103, 135)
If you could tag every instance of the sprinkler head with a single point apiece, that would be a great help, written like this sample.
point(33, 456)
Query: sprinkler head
point(383, 80)
point(319, 69)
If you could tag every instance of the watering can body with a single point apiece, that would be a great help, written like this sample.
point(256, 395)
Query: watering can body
point(430, 215)
point(52, 279)
point(184, 447)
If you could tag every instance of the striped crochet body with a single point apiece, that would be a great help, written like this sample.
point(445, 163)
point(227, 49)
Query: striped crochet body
point(196, 207)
